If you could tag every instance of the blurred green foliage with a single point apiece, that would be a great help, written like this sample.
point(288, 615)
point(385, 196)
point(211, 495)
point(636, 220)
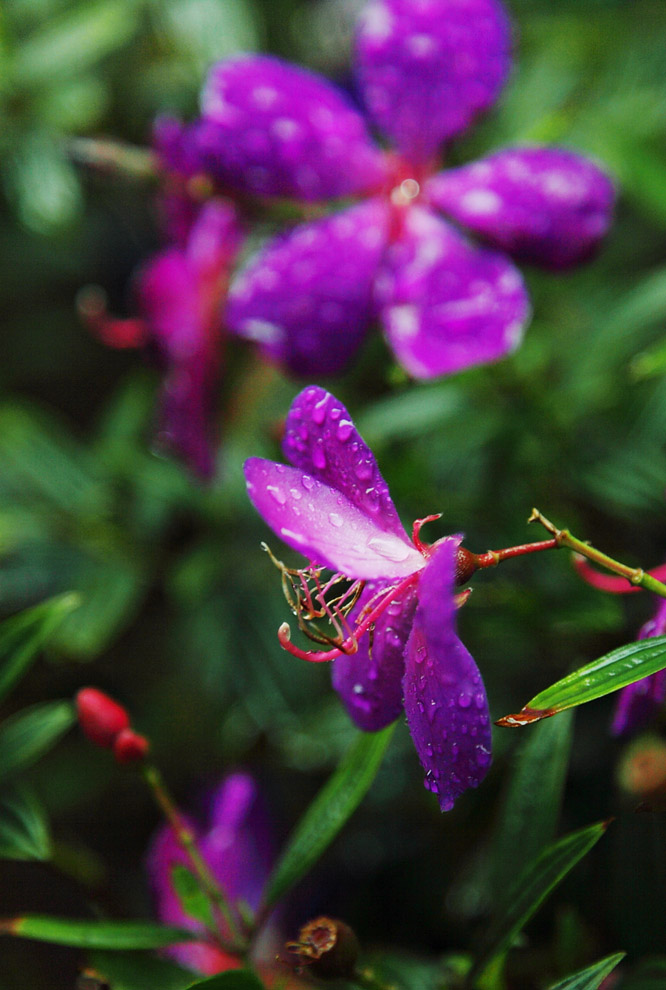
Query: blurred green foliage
point(180, 606)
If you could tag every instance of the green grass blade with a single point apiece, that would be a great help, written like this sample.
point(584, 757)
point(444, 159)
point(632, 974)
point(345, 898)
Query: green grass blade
point(95, 934)
point(30, 733)
point(591, 977)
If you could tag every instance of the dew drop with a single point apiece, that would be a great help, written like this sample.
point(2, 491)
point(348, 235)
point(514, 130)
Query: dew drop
point(277, 494)
point(420, 706)
point(307, 482)
point(363, 470)
point(464, 699)
point(389, 549)
point(335, 413)
point(432, 710)
point(358, 689)
point(280, 468)
point(295, 494)
point(319, 411)
point(319, 458)
point(479, 700)
point(429, 749)
point(335, 519)
point(345, 430)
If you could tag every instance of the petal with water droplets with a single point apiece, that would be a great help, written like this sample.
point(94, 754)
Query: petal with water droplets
point(277, 130)
point(321, 438)
point(446, 305)
point(445, 700)
point(543, 205)
point(324, 526)
point(426, 69)
point(370, 680)
point(306, 298)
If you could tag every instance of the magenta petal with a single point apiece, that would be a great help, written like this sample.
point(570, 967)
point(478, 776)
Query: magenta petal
point(307, 297)
point(370, 681)
point(445, 304)
point(320, 438)
point(445, 701)
point(324, 526)
point(638, 703)
point(543, 205)
point(427, 68)
point(282, 131)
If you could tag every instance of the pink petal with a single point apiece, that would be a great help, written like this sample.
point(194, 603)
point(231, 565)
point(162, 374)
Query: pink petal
point(320, 438)
point(543, 205)
point(306, 299)
point(278, 130)
point(427, 68)
point(324, 526)
point(370, 681)
point(445, 304)
point(445, 701)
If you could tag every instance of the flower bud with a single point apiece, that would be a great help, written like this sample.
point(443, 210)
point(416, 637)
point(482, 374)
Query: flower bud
point(328, 947)
point(466, 564)
point(130, 747)
point(100, 717)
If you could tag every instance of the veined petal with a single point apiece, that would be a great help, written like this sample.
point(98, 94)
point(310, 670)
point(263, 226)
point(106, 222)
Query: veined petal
point(278, 130)
point(426, 68)
point(445, 701)
point(544, 205)
point(370, 681)
point(446, 305)
point(306, 298)
point(324, 526)
point(638, 703)
point(321, 438)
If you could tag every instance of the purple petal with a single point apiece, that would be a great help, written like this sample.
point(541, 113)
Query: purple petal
point(370, 681)
point(278, 130)
point(543, 205)
point(445, 701)
point(307, 297)
point(638, 703)
point(322, 524)
point(320, 438)
point(447, 305)
point(427, 68)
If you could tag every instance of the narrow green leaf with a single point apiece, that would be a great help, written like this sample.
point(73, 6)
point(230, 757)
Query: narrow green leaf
point(24, 832)
point(192, 899)
point(95, 934)
point(139, 971)
point(528, 817)
point(31, 732)
point(24, 635)
point(329, 811)
point(591, 977)
point(531, 890)
point(235, 979)
point(609, 673)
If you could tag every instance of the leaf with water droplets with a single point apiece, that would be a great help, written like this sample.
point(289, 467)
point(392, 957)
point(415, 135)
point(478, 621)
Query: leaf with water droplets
point(329, 811)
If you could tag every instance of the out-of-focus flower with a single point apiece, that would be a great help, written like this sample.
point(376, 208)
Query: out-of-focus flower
point(181, 294)
point(396, 622)
point(234, 841)
point(424, 71)
point(641, 772)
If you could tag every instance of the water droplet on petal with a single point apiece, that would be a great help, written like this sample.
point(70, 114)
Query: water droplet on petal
point(307, 482)
point(319, 458)
point(295, 494)
point(389, 549)
point(345, 430)
point(277, 494)
point(363, 470)
point(335, 519)
point(319, 411)
point(479, 700)
point(464, 699)
point(358, 689)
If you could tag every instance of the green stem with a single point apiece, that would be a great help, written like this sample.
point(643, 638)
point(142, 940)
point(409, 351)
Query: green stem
point(636, 575)
point(137, 163)
point(187, 841)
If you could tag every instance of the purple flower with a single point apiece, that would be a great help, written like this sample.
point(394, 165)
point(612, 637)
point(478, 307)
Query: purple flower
point(639, 702)
point(397, 644)
point(425, 70)
point(234, 843)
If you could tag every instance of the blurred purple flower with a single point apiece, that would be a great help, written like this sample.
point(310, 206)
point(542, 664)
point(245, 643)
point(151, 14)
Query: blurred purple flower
point(639, 702)
point(235, 843)
point(425, 71)
point(400, 639)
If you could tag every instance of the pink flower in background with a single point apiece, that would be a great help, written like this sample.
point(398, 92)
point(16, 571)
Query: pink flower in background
point(425, 70)
point(402, 651)
point(234, 840)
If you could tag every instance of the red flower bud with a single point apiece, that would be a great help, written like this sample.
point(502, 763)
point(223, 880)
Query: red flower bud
point(100, 717)
point(130, 747)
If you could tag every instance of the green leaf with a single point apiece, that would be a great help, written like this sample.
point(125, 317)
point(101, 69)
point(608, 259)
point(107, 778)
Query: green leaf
point(192, 899)
point(24, 831)
point(529, 813)
point(329, 811)
point(24, 635)
point(531, 890)
point(235, 979)
point(31, 732)
point(591, 977)
point(611, 672)
point(95, 934)
point(139, 971)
